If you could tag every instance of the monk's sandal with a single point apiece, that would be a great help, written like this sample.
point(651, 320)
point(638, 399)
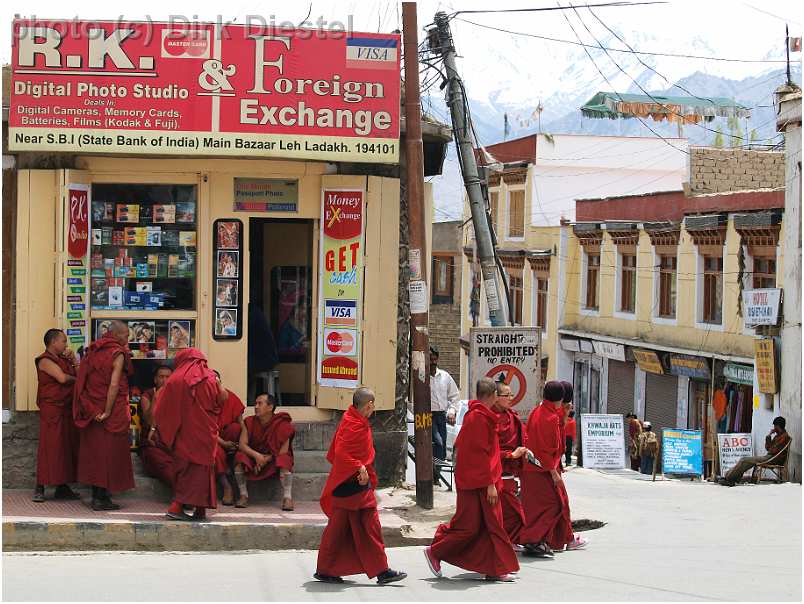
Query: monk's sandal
point(390, 576)
point(327, 578)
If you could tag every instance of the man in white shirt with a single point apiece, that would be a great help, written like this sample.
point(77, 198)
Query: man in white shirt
point(444, 397)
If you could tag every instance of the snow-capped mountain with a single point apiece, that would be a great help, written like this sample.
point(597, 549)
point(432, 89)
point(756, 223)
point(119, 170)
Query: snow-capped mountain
point(506, 73)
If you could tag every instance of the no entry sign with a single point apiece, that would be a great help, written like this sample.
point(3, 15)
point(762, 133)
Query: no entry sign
point(511, 355)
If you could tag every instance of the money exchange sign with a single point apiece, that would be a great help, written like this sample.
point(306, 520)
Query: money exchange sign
point(204, 89)
point(341, 288)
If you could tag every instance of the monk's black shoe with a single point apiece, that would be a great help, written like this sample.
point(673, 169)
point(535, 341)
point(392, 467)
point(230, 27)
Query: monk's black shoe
point(39, 494)
point(327, 578)
point(104, 505)
point(65, 492)
point(390, 576)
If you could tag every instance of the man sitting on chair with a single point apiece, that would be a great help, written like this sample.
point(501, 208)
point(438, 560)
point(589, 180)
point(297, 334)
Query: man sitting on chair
point(775, 441)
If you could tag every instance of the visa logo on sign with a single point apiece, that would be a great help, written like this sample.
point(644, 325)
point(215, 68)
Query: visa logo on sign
point(371, 53)
point(340, 313)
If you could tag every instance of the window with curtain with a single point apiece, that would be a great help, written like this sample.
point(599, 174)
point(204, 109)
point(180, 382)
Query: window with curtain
point(592, 280)
point(667, 286)
point(713, 289)
point(516, 214)
point(628, 283)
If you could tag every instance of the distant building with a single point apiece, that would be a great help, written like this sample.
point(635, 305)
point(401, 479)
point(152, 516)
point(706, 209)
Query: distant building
point(445, 297)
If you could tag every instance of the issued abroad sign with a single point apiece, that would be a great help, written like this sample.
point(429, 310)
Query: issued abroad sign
point(511, 355)
point(204, 89)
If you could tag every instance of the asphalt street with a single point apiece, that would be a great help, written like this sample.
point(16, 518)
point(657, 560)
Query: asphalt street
point(663, 541)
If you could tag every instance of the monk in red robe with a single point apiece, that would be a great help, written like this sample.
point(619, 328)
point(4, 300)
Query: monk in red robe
point(544, 497)
point(229, 428)
point(186, 419)
point(352, 540)
point(101, 411)
point(57, 455)
point(156, 457)
point(266, 447)
point(512, 439)
point(475, 538)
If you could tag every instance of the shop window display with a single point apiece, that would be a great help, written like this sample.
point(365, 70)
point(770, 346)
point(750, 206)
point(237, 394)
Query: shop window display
point(143, 254)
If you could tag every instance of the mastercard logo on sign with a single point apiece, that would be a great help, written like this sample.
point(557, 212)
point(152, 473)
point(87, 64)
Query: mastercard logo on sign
point(340, 342)
point(184, 44)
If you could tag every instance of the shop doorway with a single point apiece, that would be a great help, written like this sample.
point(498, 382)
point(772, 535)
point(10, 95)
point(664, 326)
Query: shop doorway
point(280, 351)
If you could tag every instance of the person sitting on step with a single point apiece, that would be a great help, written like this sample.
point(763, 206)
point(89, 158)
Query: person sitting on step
point(266, 446)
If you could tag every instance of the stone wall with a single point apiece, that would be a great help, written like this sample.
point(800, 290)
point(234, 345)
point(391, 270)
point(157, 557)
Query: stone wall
point(714, 170)
point(20, 440)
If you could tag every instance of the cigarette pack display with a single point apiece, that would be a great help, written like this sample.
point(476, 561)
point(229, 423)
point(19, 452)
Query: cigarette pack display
point(115, 296)
point(146, 213)
point(136, 236)
point(106, 236)
point(187, 238)
point(108, 214)
point(186, 265)
point(185, 211)
point(96, 260)
point(144, 287)
point(173, 266)
point(97, 236)
point(98, 210)
point(164, 213)
point(170, 239)
point(142, 270)
point(100, 293)
point(124, 271)
point(153, 265)
point(162, 272)
point(154, 236)
point(118, 237)
point(128, 212)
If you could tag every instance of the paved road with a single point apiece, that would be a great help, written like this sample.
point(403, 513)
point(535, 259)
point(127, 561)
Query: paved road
point(664, 541)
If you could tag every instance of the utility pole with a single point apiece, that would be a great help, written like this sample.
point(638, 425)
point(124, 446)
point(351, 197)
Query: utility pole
point(419, 301)
point(461, 128)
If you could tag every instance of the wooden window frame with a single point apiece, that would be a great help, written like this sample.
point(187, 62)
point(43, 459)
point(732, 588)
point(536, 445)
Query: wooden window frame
point(542, 294)
point(762, 279)
point(592, 295)
point(516, 286)
point(515, 232)
point(667, 290)
point(628, 281)
point(712, 310)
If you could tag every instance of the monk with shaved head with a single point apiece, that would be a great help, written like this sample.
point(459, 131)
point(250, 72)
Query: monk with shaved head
point(101, 412)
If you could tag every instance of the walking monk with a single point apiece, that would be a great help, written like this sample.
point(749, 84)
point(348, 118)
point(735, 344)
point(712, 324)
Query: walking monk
point(475, 538)
point(57, 455)
point(512, 439)
point(352, 540)
point(100, 410)
point(186, 419)
point(156, 457)
point(266, 446)
point(229, 428)
point(544, 498)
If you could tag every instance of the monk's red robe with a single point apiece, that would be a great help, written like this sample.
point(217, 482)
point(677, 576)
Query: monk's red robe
point(156, 458)
point(475, 538)
point(511, 435)
point(352, 540)
point(186, 416)
point(546, 504)
point(268, 439)
point(104, 454)
point(57, 455)
point(228, 428)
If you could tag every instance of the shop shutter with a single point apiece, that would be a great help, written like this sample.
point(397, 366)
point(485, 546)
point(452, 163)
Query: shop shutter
point(661, 395)
point(621, 387)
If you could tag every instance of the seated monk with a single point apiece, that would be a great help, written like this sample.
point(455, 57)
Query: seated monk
point(229, 428)
point(156, 457)
point(266, 445)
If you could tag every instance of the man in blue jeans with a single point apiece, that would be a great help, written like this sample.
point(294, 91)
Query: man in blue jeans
point(444, 398)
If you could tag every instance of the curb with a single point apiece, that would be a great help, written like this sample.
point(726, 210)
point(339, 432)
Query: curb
point(28, 536)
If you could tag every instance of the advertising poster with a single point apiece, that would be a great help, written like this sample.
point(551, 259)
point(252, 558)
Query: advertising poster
point(341, 288)
point(682, 452)
point(511, 355)
point(204, 89)
point(732, 448)
point(603, 441)
point(76, 271)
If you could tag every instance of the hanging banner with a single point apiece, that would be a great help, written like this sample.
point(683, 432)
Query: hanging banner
point(603, 441)
point(689, 366)
point(648, 361)
point(765, 364)
point(761, 306)
point(732, 448)
point(204, 89)
point(511, 355)
point(739, 374)
point(682, 452)
point(340, 288)
point(76, 275)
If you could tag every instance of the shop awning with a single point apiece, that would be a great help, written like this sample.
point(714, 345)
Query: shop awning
point(689, 109)
point(653, 346)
